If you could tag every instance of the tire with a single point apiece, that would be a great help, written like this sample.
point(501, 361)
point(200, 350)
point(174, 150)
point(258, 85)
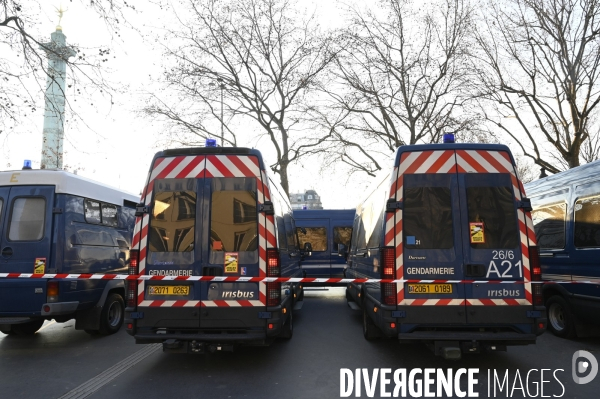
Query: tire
point(560, 318)
point(112, 314)
point(370, 330)
point(28, 328)
point(287, 331)
point(301, 294)
point(349, 296)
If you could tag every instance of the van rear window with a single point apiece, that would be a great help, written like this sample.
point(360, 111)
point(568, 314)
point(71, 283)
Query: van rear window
point(27, 221)
point(233, 214)
point(492, 207)
point(427, 217)
point(173, 216)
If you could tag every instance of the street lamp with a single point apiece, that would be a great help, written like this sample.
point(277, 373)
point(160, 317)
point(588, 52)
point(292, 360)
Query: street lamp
point(221, 86)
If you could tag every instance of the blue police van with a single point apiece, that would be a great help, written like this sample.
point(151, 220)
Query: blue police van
point(212, 212)
point(452, 222)
point(52, 221)
point(328, 231)
point(566, 218)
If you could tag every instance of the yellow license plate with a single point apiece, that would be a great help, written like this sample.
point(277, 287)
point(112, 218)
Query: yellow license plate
point(430, 288)
point(169, 290)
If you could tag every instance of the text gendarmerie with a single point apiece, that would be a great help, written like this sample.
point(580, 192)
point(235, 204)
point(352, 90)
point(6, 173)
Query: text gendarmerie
point(430, 270)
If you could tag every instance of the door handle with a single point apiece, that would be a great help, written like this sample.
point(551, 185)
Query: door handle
point(7, 252)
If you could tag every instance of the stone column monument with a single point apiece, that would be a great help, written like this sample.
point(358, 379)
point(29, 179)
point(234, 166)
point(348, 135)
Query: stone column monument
point(58, 53)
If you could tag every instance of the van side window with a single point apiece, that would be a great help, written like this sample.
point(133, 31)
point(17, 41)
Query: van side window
point(494, 206)
point(587, 222)
point(233, 214)
point(317, 236)
point(27, 220)
point(1, 204)
point(427, 212)
point(109, 215)
point(549, 226)
point(92, 211)
point(342, 235)
point(173, 216)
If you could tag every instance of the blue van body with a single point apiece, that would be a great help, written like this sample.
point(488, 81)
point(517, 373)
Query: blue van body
point(325, 229)
point(452, 222)
point(213, 212)
point(566, 218)
point(55, 222)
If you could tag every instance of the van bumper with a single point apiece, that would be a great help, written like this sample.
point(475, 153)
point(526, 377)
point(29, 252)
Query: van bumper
point(511, 338)
point(59, 308)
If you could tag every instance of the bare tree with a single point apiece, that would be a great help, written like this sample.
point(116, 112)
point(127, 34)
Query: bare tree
point(404, 77)
point(268, 59)
point(22, 59)
point(539, 66)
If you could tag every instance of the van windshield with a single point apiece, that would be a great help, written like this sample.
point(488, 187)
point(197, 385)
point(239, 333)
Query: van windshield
point(233, 214)
point(491, 210)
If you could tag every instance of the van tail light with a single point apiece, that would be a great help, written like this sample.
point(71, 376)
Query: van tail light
point(273, 270)
point(52, 291)
point(536, 275)
point(134, 258)
point(388, 272)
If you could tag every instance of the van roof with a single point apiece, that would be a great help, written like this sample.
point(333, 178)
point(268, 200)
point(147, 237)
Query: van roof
point(173, 152)
point(324, 213)
point(66, 183)
point(453, 146)
point(560, 180)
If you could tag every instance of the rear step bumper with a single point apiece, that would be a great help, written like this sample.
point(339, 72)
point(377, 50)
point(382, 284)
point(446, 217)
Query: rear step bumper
point(253, 336)
point(467, 336)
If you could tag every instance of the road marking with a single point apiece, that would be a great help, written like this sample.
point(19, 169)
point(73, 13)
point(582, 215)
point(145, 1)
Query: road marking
point(88, 388)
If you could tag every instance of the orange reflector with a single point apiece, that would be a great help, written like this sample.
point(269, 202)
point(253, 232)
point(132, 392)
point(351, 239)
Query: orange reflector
point(374, 310)
point(284, 310)
point(52, 288)
point(393, 325)
point(271, 326)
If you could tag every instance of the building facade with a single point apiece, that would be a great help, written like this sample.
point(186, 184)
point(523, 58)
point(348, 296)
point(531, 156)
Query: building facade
point(306, 200)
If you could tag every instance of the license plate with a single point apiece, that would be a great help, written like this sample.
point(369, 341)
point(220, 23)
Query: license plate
point(430, 288)
point(169, 290)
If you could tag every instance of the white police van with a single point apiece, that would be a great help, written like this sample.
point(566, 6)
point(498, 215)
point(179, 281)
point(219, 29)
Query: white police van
point(444, 216)
point(212, 212)
point(52, 221)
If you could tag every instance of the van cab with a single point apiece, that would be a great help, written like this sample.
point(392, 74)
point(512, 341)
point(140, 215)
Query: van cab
point(210, 220)
point(327, 231)
point(55, 222)
point(452, 223)
point(566, 219)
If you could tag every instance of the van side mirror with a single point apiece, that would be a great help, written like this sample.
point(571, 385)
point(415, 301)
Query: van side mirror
point(342, 250)
point(141, 209)
point(307, 251)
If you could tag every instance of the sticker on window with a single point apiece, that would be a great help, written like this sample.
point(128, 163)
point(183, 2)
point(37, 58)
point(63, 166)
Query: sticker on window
point(231, 262)
point(411, 240)
point(39, 266)
point(477, 235)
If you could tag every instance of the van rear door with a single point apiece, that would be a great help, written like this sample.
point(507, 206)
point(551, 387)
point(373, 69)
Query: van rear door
point(25, 242)
point(431, 235)
point(493, 243)
point(230, 235)
point(318, 235)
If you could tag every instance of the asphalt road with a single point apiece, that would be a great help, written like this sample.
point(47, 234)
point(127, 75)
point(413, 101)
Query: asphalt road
point(59, 361)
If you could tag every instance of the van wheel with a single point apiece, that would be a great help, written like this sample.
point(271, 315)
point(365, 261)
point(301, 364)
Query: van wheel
point(112, 314)
point(370, 330)
point(28, 328)
point(288, 328)
point(560, 318)
point(349, 296)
